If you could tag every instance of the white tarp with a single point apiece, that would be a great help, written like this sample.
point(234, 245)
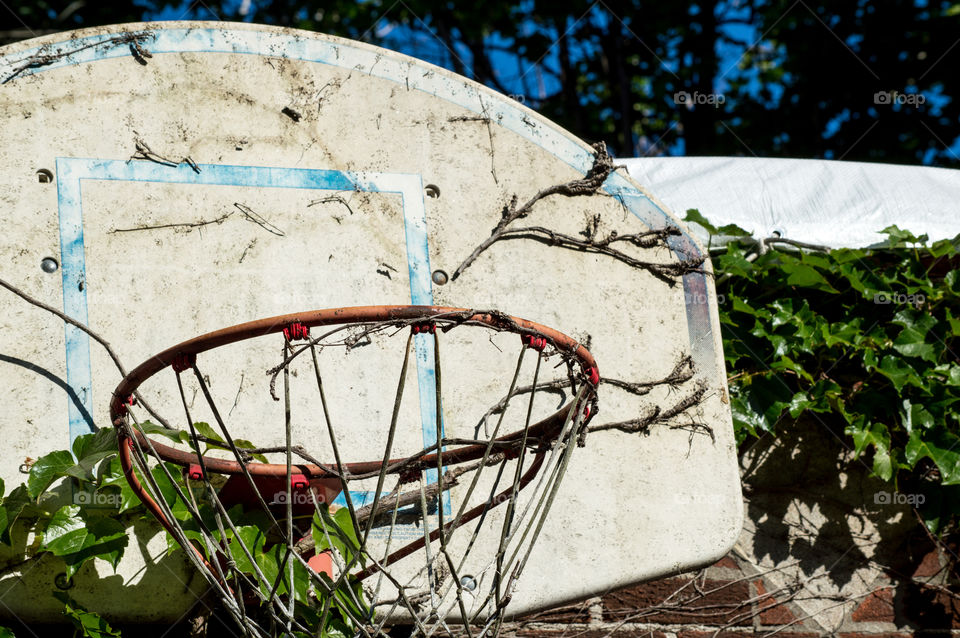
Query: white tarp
point(831, 203)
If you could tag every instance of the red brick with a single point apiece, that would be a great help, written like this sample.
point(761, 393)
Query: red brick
point(579, 613)
point(877, 607)
point(773, 612)
point(931, 608)
point(725, 604)
point(727, 562)
point(572, 632)
point(929, 565)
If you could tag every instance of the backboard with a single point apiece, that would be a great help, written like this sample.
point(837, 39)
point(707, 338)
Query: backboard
point(165, 180)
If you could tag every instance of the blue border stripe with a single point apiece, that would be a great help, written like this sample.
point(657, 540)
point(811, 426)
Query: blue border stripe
point(71, 172)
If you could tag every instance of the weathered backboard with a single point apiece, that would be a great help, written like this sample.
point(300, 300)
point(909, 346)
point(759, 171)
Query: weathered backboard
point(160, 181)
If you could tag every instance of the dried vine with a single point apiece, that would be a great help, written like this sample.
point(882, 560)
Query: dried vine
point(590, 184)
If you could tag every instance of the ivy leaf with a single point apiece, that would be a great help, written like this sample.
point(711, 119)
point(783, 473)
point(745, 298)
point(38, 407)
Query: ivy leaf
point(66, 531)
point(953, 323)
point(253, 539)
point(46, 470)
point(89, 624)
point(114, 477)
point(177, 436)
point(6, 633)
point(899, 372)
point(336, 628)
point(941, 447)
point(915, 415)
point(898, 237)
point(1, 489)
point(204, 429)
point(799, 403)
point(84, 469)
point(912, 340)
point(15, 504)
point(76, 540)
point(734, 263)
point(733, 230)
point(945, 246)
point(805, 276)
point(877, 436)
point(103, 440)
point(243, 444)
point(693, 215)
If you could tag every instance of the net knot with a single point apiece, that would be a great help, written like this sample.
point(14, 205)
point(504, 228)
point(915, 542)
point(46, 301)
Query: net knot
point(183, 362)
point(424, 328)
point(409, 476)
point(296, 330)
point(537, 342)
point(593, 375)
point(129, 400)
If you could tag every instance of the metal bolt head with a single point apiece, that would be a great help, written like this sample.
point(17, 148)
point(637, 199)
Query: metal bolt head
point(49, 265)
point(468, 582)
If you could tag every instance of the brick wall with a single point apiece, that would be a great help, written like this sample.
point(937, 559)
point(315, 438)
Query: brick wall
point(730, 599)
point(819, 555)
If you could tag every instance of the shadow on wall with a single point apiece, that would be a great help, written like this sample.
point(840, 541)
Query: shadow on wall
point(848, 546)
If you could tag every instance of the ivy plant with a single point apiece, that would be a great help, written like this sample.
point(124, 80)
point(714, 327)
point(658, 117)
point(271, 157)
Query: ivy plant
point(862, 340)
point(76, 505)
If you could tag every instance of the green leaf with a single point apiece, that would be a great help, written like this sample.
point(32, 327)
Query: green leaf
point(77, 540)
point(103, 440)
point(17, 503)
point(89, 624)
point(84, 470)
point(805, 276)
point(1, 489)
point(177, 436)
point(46, 470)
point(114, 477)
point(877, 436)
point(253, 539)
point(941, 447)
point(953, 323)
point(66, 531)
point(799, 403)
point(912, 340)
point(243, 444)
point(6, 633)
point(734, 263)
point(898, 237)
point(733, 230)
point(899, 372)
point(336, 628)
point(204, 429)
point(915, 416)
point(693, 215)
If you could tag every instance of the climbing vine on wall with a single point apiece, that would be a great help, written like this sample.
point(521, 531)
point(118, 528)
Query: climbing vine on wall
point(862, 341)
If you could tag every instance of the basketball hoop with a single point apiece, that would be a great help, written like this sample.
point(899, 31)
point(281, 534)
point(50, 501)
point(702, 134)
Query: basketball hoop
point(333, 541)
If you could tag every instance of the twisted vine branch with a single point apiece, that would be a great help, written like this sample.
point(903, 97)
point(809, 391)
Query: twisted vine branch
point(602, 167)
